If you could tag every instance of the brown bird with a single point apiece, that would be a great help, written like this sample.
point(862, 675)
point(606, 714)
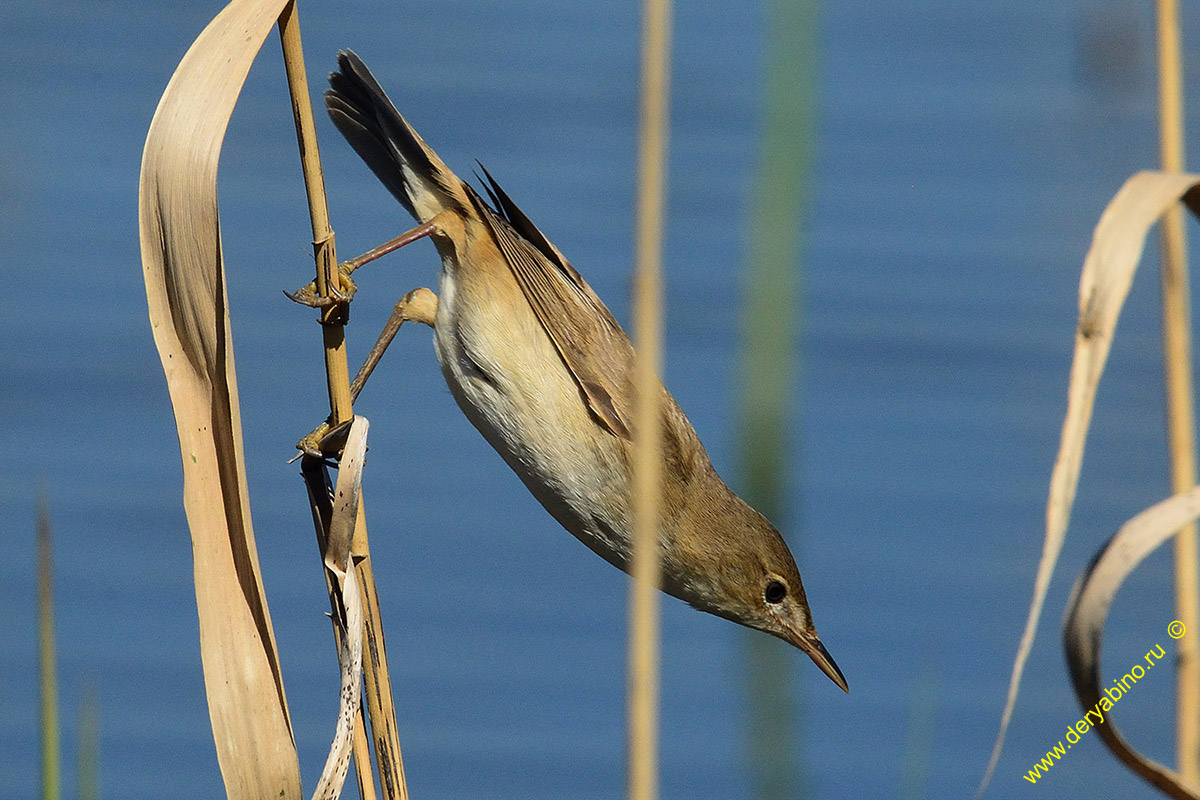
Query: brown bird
point(544, 371)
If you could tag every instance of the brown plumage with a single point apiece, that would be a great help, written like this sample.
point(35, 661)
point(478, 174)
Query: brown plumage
point(542, 368)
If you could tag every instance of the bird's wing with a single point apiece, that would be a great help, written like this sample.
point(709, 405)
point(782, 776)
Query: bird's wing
point(524, 226)
point(589, 339)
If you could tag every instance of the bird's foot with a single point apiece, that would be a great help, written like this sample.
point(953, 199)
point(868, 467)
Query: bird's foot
point(307, 295)
point(324, 442)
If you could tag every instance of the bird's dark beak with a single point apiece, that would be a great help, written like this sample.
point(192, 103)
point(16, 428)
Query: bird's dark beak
point(797, 630)
point(811, 645)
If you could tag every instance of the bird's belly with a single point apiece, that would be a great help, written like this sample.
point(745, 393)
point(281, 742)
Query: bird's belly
point(506, 376)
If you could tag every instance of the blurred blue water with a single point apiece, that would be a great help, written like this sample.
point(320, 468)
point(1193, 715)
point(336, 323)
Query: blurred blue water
point(964, 153)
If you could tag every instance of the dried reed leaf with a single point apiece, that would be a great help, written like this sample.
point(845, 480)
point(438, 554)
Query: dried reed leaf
point(185, 289)
point(1107, 275)
point(338, 561)
point(1083, 624)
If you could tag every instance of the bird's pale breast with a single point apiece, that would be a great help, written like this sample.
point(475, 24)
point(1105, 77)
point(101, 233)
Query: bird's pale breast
point(507, 377)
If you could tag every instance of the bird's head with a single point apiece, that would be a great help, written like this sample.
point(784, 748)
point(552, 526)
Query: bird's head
point(751, 578)
point(780, 609)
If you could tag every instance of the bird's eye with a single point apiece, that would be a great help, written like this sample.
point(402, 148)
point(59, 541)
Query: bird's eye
point(775, 592)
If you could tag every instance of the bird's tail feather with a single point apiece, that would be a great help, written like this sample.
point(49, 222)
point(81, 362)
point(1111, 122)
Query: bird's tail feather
point(383, 139)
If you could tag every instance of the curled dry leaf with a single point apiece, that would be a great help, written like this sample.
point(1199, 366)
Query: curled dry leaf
point(185, 290)
point(338, 560)
point(1108, 269)
point(1083, 625)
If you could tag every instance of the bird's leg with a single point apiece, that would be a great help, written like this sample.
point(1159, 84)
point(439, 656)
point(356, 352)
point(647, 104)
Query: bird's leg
point(408, 237)
point(419, 305)
point(308, 296)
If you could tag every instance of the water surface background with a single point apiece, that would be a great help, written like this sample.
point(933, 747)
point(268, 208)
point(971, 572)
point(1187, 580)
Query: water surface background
point(963, 154)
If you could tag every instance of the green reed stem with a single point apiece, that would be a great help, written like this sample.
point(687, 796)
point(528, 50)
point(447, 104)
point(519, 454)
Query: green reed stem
point(770, 354)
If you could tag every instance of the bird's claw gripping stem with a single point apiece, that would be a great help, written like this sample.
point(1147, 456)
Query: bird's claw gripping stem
point(307, 295)
point(324, 442)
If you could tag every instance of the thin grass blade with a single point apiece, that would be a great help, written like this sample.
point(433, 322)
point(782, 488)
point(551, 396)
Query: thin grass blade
point(88, 758)
point(47, 662)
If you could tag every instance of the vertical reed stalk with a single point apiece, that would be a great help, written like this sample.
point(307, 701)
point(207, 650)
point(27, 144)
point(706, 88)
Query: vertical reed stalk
point(1181, 423)
point(769, 360)
point(51, 786)
point(381, 711)
point(647, 464)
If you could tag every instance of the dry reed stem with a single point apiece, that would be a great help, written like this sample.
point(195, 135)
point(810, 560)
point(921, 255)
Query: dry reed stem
point(644, 647)
point(1181, 418)
point(381, 709)
point(1108, 270)
point(333, 336)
